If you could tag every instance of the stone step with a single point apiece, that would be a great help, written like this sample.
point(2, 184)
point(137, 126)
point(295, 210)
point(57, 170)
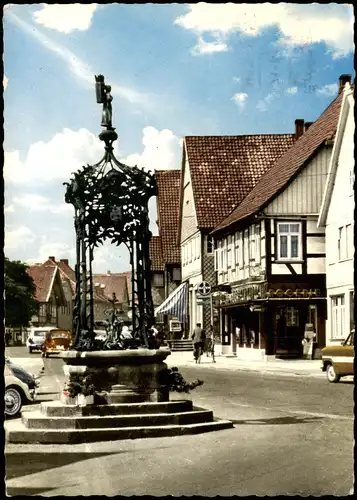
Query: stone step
point(35, 420)
point(58, 409)
point(181, 349)
point(16, 432)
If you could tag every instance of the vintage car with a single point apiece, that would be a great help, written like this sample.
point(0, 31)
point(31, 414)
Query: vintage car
point(20, 388)
point(337, 360)
point(59, 341)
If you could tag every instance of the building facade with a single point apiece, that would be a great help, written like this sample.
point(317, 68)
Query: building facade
point(337, 217)
point(217, 173)
point(271, 252)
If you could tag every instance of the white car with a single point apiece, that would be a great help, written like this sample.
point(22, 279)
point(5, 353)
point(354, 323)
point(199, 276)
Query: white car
point(17, 393)
point(36, 337)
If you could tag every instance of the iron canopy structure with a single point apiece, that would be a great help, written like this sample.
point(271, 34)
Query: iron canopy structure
point(110, 200)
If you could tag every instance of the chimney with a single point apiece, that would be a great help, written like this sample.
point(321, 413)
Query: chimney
point(343, 80)
point(65, 261)
point(52, 258)
point(307, 125)
point(299, 128)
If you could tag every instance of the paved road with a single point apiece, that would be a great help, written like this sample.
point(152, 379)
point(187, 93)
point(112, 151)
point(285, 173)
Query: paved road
point(291, 436)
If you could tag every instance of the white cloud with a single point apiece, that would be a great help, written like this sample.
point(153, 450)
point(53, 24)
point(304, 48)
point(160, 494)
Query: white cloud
point(66, 152)
point(329, 90)
point(56, 249)
point(298, 24)
point(36, 203)
point(203, 48)
point(237, 79)
point(18, 238)
point(292, 90)
point(79, 68)
point(240, 99)
point(66, 18)
point(161, 150)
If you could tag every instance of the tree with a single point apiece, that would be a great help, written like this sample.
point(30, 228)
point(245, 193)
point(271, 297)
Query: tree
point(20, 302)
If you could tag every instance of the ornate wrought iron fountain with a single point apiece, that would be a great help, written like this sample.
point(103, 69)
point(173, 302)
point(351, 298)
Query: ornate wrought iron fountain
point(110, 200)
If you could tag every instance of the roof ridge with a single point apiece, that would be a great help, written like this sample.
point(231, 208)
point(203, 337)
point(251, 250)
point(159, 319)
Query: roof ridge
point(263, 187)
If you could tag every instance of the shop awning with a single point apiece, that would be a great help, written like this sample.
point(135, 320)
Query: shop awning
point(175, 304)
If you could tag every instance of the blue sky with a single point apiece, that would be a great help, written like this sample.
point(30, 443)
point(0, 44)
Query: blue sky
point(175, 70)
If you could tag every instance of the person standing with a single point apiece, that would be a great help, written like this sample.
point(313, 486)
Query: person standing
point(198, 340)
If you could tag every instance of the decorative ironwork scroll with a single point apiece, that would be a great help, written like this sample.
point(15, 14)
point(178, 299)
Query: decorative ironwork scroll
point(110, 200)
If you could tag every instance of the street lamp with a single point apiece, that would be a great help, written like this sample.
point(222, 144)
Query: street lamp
point(110, 200)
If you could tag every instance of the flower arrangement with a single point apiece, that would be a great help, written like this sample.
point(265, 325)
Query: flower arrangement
point(80, 384)
point(173, 380)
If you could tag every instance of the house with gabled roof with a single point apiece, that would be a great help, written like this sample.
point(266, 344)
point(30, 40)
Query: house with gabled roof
point(337, 217)
point(271, 252)
point(108, 287)
point(50, 294)
point(217, 173)
point(165, 252)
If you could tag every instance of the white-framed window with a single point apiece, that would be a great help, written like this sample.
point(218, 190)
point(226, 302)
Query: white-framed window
point(224, 255)
point(198, 247)
point(341, 243)
point(216, 257)
point(257, 244)
point(338, 317)
point(246, 248)
point(352, 309)
point(351, 181)
point(252, 243)
point(289, 241)
point(236, 249)
point(349, 241)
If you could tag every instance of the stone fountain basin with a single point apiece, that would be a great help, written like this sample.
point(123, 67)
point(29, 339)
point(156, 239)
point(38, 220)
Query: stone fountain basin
point(135, 369)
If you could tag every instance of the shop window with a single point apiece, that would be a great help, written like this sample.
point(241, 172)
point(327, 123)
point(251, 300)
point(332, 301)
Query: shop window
point(289, 241)
point(337, 317)
point(292, 316)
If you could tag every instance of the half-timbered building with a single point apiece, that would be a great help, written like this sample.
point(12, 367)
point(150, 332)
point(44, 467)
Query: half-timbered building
point(271, 252)
point(217, 173)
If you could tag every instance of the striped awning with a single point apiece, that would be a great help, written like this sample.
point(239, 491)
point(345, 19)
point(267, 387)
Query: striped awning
point(175, 304)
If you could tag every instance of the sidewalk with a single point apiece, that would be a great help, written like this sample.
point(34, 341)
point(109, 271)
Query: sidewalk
point(301, 367)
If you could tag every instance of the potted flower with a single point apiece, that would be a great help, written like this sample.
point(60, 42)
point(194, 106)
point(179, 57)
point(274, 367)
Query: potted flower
point(171, 380)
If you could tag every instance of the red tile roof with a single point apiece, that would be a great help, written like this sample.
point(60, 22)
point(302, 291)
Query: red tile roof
point(66, 272)
point(43, 276)
point(114, 283)
point(168, 209)
point(155, 251)
point(288, 166)
point(225, 168)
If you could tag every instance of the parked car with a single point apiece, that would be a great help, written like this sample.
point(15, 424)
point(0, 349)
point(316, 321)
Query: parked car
point(60, 340)
point(20, 388)
point(337, 360)
point(36, 337)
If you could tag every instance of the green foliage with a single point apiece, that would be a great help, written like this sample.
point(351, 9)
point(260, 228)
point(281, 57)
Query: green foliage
point(173, 380)
point(81, 384)
point(20, 303)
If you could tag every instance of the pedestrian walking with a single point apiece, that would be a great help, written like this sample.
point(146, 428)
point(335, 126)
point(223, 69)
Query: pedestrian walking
point(48, 343)
point(198, 337)
point(209, 343)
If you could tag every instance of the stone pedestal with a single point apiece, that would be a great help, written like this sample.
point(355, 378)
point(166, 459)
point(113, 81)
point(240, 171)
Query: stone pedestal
point(123, 376)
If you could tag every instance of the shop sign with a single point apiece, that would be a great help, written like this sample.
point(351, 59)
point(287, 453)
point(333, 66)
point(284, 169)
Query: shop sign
point(245, 294)
point(300, 293)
